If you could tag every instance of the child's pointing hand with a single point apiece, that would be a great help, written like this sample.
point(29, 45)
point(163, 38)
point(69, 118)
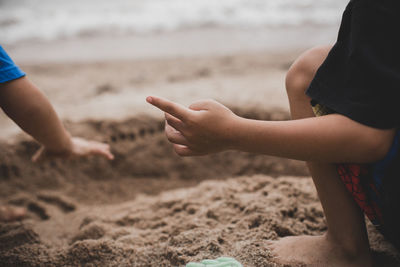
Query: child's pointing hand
point(205, 127)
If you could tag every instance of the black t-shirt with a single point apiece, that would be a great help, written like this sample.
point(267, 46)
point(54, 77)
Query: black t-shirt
point(360, 78)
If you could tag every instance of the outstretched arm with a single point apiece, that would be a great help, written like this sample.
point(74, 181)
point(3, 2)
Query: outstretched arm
point(27, 106)
point(207, 126)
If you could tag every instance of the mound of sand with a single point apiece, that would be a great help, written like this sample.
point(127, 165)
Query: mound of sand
point(149, 207)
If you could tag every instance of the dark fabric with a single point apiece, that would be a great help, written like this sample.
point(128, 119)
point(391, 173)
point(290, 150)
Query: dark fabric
point(390, 195)
point(360, 77)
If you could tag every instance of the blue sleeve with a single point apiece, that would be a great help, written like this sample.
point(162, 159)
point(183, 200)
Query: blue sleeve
point(8, 70)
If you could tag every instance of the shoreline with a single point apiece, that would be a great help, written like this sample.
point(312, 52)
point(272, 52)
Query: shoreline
point(184, 43)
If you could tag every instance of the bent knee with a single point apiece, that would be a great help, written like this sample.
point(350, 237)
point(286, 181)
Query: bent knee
point(302, 71)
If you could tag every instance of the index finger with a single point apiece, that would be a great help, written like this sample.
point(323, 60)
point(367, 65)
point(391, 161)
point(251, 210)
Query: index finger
point(176, 110)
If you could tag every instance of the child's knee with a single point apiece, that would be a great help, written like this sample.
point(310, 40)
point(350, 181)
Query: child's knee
point(302, 71)
point(297, 77)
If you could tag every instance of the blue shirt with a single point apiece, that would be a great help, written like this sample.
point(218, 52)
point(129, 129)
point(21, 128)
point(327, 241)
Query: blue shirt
point(8, 70)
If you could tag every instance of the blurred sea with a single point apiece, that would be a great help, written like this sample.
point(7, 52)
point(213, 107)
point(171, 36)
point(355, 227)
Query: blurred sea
point(47, 20)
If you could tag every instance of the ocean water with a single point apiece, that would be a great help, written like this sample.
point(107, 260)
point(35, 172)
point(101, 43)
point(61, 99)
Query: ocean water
point(22, 20)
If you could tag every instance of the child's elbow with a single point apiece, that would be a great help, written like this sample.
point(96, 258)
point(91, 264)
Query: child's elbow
point(379, 144)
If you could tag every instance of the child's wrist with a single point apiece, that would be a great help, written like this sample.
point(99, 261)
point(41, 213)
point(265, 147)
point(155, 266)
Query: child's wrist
point(232, 137)
point(239, 134)
point(64, 148)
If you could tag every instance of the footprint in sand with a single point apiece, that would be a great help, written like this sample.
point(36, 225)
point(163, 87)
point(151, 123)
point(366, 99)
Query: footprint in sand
point(37, 205)
point(142, 132)
point(63, 204)
point(39, 210)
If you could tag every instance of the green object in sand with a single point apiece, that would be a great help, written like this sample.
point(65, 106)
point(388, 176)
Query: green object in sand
point(220, 262)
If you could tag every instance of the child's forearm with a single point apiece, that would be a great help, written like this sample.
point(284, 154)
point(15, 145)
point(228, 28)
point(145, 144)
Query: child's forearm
point(25, 104)
point(331, 138)
point(207, 127)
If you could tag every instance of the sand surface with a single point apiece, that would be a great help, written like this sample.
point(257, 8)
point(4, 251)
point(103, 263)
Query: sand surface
point(149, 207)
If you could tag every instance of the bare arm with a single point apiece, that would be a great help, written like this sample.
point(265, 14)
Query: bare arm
point(331, 138)
point(27, 106)
point(207, 126)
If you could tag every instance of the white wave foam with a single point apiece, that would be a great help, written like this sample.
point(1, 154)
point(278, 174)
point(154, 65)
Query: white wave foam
point(52, 19)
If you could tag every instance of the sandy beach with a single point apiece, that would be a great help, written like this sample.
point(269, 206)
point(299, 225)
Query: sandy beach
point(149, 207)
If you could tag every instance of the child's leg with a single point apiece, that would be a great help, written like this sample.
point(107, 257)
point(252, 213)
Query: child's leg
point(346, 241)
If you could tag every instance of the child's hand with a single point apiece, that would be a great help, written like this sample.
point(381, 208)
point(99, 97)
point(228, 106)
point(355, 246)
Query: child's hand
point(205, 127)
point(79, 148)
